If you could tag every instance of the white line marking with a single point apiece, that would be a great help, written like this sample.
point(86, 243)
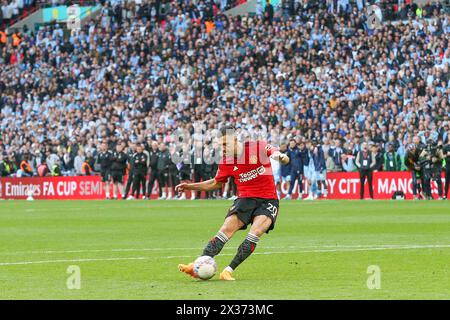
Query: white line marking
point(336, 250)
point(68, 260)
point(226, 248)
point(231, 254)
point(46, 210)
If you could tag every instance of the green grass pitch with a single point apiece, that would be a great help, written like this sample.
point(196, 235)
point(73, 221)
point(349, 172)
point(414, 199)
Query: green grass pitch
point(130, 250)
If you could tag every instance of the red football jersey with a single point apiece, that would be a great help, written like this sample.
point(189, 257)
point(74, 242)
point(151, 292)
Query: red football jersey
point(252, 171)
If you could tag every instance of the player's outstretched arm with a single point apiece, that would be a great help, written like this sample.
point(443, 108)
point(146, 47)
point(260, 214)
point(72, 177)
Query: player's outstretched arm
point(281, 157)
point(208, 185)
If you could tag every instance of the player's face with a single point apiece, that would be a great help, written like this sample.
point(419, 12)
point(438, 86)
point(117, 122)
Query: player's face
point(364, 147)
point(229, 146)
point(139, 149)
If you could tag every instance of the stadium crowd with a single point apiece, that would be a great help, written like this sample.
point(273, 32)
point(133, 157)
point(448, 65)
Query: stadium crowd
point(319, 75)
point(12, 9)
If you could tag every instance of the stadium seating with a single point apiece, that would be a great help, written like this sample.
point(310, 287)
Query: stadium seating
point(146, 69)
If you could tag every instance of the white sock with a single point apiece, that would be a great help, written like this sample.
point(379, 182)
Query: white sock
point(222, 237)
point(228, 269)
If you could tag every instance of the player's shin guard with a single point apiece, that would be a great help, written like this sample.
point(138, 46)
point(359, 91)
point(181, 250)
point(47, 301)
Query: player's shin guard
point(215, 245)
point(245, 250)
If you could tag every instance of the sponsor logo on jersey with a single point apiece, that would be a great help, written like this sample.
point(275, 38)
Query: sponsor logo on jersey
point(247, 176)
point(235, 168)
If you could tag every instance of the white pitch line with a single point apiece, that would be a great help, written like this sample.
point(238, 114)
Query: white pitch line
point(231, 254)
point(68, 260)
point(336, 250)
point(198, 248)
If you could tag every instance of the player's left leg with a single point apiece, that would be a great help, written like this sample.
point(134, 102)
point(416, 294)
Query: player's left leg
point(231, 224)
point(115, 188)
point(438, 180)
point(260, 225)
point(324, 183)
point(120, 186)
point(447, 182)
point(107, 183)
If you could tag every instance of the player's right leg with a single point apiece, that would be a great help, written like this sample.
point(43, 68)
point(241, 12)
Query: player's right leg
point(231, 224)
point(447, 182)
point(260, 225)
point(114, 190)
point(293, 177)
point(105, 181)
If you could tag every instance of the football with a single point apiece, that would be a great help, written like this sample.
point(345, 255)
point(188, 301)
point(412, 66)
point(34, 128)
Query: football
point(205, 267)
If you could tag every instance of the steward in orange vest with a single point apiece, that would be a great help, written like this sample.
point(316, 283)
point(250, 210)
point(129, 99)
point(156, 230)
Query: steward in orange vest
point(25, 166)
point(16, 39)
point(3, 37)
point(86, 168)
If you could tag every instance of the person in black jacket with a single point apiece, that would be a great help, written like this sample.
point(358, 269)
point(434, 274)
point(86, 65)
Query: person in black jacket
point(163, 169)
point(365, 162)
point(173, 178)
point(446, 152)
point(185, 168)
point(104, 159)
point(154, 154)
point(130, 153)
point(296, 174)
point(413, 165)
point(378, 158)
point(268, 12)
point(119, 164)
point(140, 170)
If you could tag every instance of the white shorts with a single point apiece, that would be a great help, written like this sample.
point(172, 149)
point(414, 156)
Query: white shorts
point(309, 174)
point(321, 176)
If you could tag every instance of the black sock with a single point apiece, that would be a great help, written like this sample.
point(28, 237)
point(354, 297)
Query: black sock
point(215, 245)
point(245, 250)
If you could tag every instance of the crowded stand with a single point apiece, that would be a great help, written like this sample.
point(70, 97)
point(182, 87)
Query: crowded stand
point(316, 78)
